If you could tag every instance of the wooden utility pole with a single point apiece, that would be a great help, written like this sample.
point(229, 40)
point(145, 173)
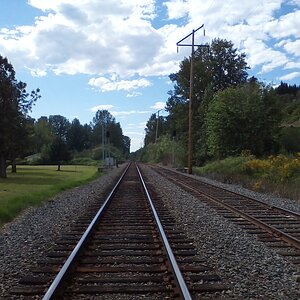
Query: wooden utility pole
point(190, 144)
point(156, 130)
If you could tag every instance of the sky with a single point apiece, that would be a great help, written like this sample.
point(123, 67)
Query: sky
point(87, 55)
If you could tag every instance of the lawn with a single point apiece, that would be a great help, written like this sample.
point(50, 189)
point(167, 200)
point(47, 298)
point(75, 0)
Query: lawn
point(33, 184)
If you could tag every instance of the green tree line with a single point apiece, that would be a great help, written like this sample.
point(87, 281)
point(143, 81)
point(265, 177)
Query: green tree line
point(231, 113)
point(54, 138)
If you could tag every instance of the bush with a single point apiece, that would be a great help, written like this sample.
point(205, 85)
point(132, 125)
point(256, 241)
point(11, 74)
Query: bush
point(85, 161)
point(279, 174)
point(278, 168)
point(290, 139)
point(228, 166)
point(165, 151)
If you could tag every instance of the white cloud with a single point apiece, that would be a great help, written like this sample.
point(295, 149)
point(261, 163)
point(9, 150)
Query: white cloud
point(292, 65)
point(177, 8)
point(158, 105)
point(133, 94)
point(287, 25)
point(293, 47)
point(130, 112)
point(106, 85)
point(101, 37)
point(120, 37)
point(290, 76)
point(260, 54)
point(102, 107)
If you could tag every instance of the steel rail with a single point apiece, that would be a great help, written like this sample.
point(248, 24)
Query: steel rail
point(178, 275)
point(53, 290)
point(288, 212)
point(272, 230)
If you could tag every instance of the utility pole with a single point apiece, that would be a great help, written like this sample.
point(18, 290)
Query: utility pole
point(156, 130)
point(103, 144)
point(190, 144)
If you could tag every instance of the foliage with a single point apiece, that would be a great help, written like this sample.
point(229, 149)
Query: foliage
point(93, 156)
point(107, 131)
point(57, 139)
point(34, 184)
point(228, 67)
point(42, 134)
point(15, 103)
point(167, 151)
point(228, 166)
point(59, 126)
point(85, 161)
point(290, 139)
point(238, 116)
point(215, 69)
point(57, 152)
point(278, 168)
point(155, 127)
point(286, 89)
point(279, 174)
point(78, 136)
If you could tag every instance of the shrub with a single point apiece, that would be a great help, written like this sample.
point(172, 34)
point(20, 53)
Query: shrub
point(278, 168)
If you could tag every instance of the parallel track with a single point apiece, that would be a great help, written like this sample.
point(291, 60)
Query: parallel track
point(124, 251)
point(279, 228)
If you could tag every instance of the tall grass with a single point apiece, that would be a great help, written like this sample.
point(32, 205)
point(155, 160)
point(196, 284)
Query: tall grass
point(33, 184)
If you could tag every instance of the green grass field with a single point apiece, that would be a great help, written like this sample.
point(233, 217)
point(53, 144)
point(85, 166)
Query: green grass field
point(33, 184)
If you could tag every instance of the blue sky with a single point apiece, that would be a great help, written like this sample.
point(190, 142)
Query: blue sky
point(86, 55)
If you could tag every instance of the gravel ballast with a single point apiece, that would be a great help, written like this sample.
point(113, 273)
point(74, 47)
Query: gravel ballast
point(251, 270)
point(247, 266)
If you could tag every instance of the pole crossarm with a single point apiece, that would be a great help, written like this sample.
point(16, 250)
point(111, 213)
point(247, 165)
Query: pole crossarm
point(193, 32)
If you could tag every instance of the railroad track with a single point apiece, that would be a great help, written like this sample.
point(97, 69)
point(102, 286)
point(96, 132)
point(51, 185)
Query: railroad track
point(132, 249)
point(278, 228)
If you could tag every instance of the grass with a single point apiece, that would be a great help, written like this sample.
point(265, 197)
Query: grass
point(277, 175)
point(32, 185)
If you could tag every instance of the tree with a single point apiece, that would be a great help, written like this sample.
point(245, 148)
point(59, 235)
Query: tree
point(21, 143)
point(60, 126)
point(76, 136)
point(227, 66)
point(59, 151)
point(43, 134)
point(101, 121)
point(15, 103)
point(155, 128)
point(106, 130)
point(242, 118)
point(150, 130)
point(215, 69)
point(126, 145)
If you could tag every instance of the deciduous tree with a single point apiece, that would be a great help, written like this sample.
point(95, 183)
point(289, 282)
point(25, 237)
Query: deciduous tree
point(242, 118)
point(15, 103)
